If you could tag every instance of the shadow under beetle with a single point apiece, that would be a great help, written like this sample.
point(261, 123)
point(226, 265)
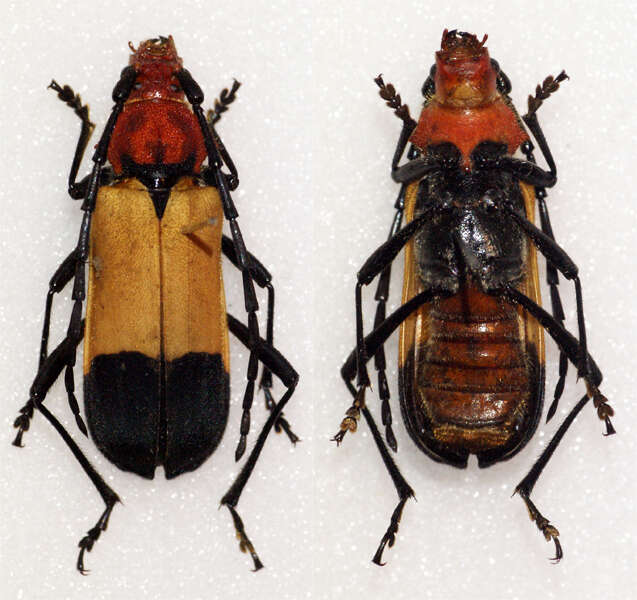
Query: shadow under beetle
point(156, 384)
point(471, 349)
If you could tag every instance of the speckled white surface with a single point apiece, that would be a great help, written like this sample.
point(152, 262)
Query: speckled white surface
point(313, 143)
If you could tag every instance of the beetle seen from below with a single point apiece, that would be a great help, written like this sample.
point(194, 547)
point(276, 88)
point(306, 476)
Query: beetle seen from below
point(471, 342)
point(156, 354)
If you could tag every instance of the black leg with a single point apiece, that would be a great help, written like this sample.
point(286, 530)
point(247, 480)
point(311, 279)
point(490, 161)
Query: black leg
point(374, 265)
point(263, 278)
point(49, 371)
point(373, 342)
point(61, 277)
point(381, 297)
point(567, 344)
point(277, 363)
point(217, 157)
point(77, 190)
point(525, 487)
point(525, 171)
point(403, 489)
point(559, 260)
point(570, 347)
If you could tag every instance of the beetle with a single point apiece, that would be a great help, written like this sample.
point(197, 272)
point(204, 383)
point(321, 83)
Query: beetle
point(156, 384)
point(471, 341)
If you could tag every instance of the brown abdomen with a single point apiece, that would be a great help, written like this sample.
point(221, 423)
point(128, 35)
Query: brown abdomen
point(471, 374)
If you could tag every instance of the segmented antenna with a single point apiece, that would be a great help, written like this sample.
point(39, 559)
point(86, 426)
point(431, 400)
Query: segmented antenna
point(542, 92)
point(392, 99)
point(73, 100)
point(226, 98)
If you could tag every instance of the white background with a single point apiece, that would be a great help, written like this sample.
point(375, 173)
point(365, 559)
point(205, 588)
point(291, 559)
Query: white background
point(313, 144)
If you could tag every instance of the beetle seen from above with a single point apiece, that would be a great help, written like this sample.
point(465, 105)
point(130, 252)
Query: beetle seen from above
point(156, 354)
point(471, 342)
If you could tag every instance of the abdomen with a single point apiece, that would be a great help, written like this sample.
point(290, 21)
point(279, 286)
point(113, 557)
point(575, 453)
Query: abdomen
point(156, 347)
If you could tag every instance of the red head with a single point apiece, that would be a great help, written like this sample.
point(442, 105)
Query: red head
point(156, 62)
point(464, 75)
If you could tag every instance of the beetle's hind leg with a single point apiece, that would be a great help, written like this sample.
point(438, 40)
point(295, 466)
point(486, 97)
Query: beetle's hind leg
point(92, 535)
point(525, 487)
point(49, 371)
point(265, 383)
point(373, 342)
point(571, 347)
point(277, 363)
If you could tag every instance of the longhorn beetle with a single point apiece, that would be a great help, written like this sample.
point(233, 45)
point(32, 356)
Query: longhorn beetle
point(471, 349)
point(156, 385)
